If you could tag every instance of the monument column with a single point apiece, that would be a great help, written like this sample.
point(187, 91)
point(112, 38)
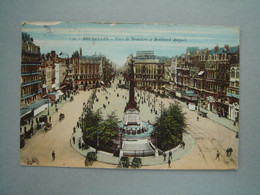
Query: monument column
point(132, 103)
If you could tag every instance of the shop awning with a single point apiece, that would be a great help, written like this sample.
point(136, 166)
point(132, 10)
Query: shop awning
point(201, 73)
point(59, 92)
point(31, 107)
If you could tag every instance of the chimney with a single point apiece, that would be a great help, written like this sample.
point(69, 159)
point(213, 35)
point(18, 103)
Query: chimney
point(226, 47)
point(216, 48)
point(80, 52)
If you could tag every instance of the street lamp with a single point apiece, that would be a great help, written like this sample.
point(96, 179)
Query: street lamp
point(97, 142)
point(161, 107)
point(48, 107)
point(82, 122)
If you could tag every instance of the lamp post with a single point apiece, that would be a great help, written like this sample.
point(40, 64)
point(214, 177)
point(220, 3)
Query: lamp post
point(48, 107)
point(82, 120)
point(97, 142)
point(161, 107)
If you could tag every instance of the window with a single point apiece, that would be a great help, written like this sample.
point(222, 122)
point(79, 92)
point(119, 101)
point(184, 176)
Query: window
point(232, 73)
point(237, 74)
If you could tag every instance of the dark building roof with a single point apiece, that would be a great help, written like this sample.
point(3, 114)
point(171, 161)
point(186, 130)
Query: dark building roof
point(192, 50)
point(91, 57)
point(222, 50)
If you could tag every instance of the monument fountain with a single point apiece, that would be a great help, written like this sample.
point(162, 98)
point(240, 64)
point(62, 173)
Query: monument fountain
point(135, 132)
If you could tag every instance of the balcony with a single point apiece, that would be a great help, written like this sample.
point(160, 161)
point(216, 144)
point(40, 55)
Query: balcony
point(33, 64)
point(26, 96)
point(30, 83)
point(31, 73)
point(233, 95)
point(210, 91)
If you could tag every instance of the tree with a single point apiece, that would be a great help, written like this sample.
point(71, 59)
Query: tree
point(91, 124)
point(169, 127)
point(96, 130)
point(108, 132)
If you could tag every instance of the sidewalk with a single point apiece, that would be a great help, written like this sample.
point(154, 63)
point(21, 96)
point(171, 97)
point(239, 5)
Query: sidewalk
point(221, 120)
point(177, 153)
point(212, 116)
point(52, 110)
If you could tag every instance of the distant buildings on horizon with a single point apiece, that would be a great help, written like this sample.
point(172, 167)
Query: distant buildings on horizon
point(213, 75)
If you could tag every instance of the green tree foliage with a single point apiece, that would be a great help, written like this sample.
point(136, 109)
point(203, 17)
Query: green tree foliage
point(96, 130)
point(108, 131)
point(91, 124)
point(169, 127)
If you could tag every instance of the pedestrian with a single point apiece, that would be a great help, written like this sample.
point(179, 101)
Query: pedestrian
point(170, 154)
point(53, 155)
point(227, 151)
point(169, 163)
point(198, 118)
point(217, 156)
point(73, 138)
point(31, 131)
point(74, 129)
point(230, 151)
point(79, 143)
point(237, 135)
point(164, 156)
point(49, 118)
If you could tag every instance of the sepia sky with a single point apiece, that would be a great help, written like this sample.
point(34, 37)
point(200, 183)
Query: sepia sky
point(117, 41)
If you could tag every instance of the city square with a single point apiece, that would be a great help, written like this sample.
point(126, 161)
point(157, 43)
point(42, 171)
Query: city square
point(207, 137)
point(152, 112)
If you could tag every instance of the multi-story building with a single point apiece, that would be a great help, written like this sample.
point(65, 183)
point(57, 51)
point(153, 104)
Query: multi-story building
point(90, 71)
point(183, 73)
point(213, 75)
point(31, 81)
point(233, 89)
point(149, 70)
point(218, 78)
point(70, 77)
point(174, 63)
point(55, 72)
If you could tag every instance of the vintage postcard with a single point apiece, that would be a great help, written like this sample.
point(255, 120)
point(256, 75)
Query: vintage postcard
point(136, 96)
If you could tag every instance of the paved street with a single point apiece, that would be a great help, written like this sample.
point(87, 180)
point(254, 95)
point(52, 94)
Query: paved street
point(205, 137)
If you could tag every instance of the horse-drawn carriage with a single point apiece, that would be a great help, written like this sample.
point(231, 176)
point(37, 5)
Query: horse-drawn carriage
point(124, 162)
point(136, 163)
point(91, 156)
point(29, 133)
point(203, 114)
point(22, 141)
point(48, 126)
point(43, 118)
point(62, 116)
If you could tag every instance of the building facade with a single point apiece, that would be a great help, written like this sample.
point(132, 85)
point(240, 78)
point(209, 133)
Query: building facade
point(31, 74)
point(149, 70)
point(90, 71)
point(213, 75)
